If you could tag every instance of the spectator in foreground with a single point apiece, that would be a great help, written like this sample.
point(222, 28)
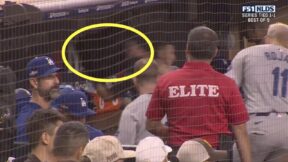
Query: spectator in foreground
point(41, 130)
point(106, 149)
point(70, 141)
point(199, 150)
point(152, 149)
point(73, 105)
point(198, 101)
point(132, 126)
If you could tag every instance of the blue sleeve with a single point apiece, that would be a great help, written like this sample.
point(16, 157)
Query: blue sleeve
point(93, 132)
point(21, 126)
point(25, 113)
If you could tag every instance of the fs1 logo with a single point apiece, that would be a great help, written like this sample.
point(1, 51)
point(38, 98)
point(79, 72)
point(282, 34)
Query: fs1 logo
point(259, 9)
point(248, 8)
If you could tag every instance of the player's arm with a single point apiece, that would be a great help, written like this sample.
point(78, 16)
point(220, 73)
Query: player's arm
point(235, 70)
point(157, 128)
point(155, 113)
point(237, 116)
point(242, 141)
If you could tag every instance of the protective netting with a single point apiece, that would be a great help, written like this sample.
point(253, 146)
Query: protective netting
point(37, 28)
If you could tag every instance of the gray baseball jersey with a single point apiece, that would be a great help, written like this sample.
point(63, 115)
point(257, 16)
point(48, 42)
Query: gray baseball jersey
point(262, 73)
point(132, 125)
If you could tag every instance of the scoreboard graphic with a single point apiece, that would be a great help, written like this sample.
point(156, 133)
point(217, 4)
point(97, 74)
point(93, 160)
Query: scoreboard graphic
point(259, 13)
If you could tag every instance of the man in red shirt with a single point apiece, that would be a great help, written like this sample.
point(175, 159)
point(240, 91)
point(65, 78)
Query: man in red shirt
point(198, 101)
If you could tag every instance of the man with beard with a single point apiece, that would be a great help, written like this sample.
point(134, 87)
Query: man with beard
point(44, 83)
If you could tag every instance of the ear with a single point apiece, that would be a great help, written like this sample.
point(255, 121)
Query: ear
point(187, 54)
point(33, 82)
point(216, 51)
point(45, 138)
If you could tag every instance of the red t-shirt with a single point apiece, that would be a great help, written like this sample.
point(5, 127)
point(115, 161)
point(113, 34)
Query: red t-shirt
point(199, 102)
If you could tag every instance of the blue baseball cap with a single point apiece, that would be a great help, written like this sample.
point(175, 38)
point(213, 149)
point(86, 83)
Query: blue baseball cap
point(75, 102)
point(66, 88)
point(41, 67)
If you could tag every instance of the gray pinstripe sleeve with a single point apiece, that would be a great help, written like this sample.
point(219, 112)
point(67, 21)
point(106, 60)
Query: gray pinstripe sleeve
point(127, 129)
point(236, 68)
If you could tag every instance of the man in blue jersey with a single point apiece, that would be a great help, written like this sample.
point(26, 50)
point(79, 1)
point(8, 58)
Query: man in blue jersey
point(44, 82)
point(262, 73)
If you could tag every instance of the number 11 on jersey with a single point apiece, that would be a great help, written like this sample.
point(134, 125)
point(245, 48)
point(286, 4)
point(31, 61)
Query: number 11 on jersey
point(284, 74)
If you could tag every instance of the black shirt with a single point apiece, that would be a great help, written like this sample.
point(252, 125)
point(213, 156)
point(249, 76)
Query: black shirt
point(32, 158)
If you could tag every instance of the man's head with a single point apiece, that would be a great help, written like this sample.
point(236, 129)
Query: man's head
point(135, 50)
point(201, 44)
point(166, 53)
point(73, 104)
point(152, 149)
point(42, 126)
point(43, 77)
point(106, 149)
point(70, 140)
point(148, 76)
point(255, 32)
point(277, 34)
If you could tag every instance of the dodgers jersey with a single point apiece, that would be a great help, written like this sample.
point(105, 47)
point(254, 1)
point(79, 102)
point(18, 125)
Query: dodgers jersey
point(262, 73)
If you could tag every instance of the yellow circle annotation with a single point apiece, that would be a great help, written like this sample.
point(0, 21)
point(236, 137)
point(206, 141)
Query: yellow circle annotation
point(101, 25)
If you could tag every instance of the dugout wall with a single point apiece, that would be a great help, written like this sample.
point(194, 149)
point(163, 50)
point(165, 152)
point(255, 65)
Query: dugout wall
point(39, 33)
